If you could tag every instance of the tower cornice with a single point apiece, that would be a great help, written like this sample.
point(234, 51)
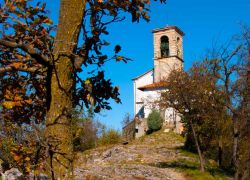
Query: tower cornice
point(169, 28)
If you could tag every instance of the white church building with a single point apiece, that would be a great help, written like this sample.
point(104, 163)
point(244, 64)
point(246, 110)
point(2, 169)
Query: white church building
point(168, 55)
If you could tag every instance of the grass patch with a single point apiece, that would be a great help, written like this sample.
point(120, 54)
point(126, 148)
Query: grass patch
point(165, 137)
point(192, 172)
point(187, 153)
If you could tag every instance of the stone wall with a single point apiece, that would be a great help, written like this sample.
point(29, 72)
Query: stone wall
point(128, 132)
point(141, 127)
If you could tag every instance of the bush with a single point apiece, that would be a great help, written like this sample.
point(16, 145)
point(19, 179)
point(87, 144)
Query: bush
point(110, 136)
point(154, 121)
point(85, 136)
point(21, 147)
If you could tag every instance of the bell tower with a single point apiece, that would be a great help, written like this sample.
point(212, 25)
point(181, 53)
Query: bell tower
point(168, 51)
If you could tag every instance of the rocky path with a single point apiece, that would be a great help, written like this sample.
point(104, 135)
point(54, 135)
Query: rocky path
point(141, 159)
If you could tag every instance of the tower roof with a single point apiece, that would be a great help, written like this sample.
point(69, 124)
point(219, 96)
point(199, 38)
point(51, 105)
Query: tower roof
point(169, 28)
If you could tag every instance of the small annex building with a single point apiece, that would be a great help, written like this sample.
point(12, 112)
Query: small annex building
point(168, 55)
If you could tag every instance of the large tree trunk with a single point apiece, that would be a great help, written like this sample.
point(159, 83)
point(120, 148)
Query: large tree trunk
point(58, 130)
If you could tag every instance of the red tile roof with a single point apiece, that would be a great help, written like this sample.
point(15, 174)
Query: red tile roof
point(155, 85)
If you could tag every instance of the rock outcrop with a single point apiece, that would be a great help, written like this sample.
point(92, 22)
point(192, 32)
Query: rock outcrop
point(137, 160)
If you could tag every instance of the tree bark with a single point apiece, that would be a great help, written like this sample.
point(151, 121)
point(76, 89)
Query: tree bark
point(220, 151)
point(235, 148)
point(202, 167)
point(58, 122)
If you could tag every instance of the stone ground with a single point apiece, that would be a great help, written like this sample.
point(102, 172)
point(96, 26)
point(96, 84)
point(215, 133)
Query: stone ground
point(143, 159)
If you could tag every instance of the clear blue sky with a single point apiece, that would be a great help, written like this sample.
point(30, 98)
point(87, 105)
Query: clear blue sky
point(203, 21)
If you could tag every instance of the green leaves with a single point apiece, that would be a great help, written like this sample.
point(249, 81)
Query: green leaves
point(154, 121)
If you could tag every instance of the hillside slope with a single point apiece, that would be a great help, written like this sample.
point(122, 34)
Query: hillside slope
point(156, 156)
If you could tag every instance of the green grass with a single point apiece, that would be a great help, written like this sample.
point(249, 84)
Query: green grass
point(212, 170)
point(167, 138)
point(188, 162)
point(192, 172)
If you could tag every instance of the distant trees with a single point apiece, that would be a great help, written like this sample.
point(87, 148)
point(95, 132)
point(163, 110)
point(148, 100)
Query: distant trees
point(213, 98)
point(128, 127)
point(127, 119)
point(86, 130)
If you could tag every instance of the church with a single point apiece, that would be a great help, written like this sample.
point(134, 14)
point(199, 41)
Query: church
point(168, 55)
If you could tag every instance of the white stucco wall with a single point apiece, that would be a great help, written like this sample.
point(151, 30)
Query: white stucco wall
point(146, 99)
point(138, 94)
point(149, 97)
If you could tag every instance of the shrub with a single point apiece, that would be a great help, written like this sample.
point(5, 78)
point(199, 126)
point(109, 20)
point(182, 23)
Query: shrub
point(110, 136)
point(154, 121)
point(85, 136)
point(85, 129)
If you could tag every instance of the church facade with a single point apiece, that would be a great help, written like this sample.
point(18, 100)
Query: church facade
point(168, 55)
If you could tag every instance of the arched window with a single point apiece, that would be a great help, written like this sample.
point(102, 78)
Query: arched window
point(178, 47)
point(164, 46)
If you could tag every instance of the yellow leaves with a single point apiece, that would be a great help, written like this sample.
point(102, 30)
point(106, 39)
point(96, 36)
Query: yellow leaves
point(8, 104)
point(29, 101)
point(8, 94)
point(20, 1)
point(17, 157)
point(17, 65)
point(90, 99)
point(18, 98)
point(12, 7)
point(27, 169)
point(119, 58)
point(87, 82)
point(27, 159)
point(17, 103)
point(15, 98)
point(22, 156)
point(48, 21)
point(19, 57)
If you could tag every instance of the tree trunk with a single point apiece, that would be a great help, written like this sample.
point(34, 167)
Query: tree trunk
point(202, 168)
point(58, 129)
point(220, 151)
point(235, 148)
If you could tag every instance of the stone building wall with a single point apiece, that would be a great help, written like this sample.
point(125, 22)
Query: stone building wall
point(128, 132)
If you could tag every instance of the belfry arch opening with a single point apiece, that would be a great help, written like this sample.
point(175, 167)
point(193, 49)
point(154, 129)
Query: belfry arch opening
point(178, 47)
point(164, 46)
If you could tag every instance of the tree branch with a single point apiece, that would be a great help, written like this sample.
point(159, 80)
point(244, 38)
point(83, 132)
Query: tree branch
point(34, 53)
point(22, 67)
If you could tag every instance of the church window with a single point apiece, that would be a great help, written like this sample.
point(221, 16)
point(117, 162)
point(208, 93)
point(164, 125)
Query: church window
point(178, 47)
point(164, 46)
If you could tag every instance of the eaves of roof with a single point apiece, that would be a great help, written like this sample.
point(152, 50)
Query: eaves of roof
point(156, 85)
point(142, 75)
